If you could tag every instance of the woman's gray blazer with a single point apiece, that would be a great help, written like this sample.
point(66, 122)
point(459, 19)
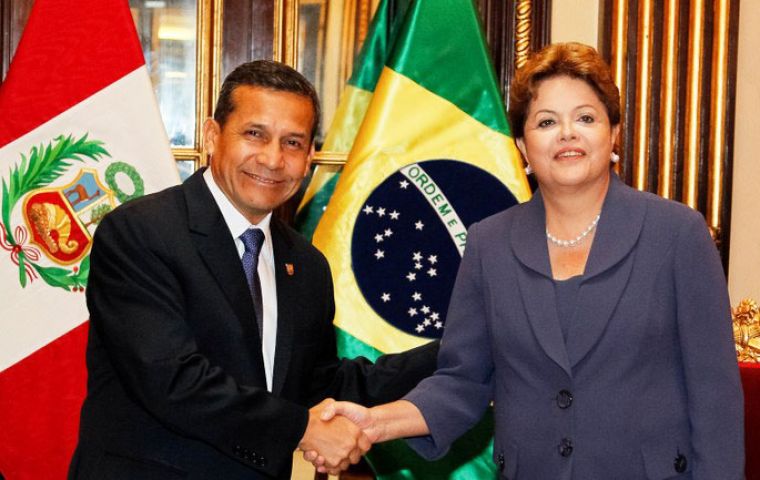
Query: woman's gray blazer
point(647, 383)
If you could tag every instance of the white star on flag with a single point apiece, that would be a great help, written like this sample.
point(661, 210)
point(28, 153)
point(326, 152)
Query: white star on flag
point(386, 297)
point(388, 232)
point(379, 237)
point(394, 215)
point(417, 256)
point(432, 272)
point(379, 254)
point(403, 184)
point(368, 209)
point(433, 259)
point(412, 312)
point(411, 276)
point(417, 296)
point(419, 225)
point(381, 212)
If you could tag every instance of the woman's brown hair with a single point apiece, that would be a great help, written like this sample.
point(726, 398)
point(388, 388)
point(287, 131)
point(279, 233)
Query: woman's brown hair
point(572, 59)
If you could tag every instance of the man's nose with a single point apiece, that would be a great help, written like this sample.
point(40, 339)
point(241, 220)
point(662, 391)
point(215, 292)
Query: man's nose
point(271, 156)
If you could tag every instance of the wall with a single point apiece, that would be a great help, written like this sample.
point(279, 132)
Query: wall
point(576, 21)
point(744, 259)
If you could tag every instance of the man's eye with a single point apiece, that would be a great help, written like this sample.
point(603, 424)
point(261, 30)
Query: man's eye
point(294, 144)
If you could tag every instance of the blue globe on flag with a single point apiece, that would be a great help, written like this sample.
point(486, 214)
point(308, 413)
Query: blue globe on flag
point(409, 238)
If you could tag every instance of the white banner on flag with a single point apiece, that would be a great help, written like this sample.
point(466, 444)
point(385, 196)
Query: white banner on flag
point(51, 224)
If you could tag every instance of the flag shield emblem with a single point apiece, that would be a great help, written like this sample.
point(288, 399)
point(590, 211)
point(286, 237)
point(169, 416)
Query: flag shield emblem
point(59, 218)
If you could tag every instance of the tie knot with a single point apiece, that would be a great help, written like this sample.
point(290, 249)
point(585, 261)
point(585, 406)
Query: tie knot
point(253, 239)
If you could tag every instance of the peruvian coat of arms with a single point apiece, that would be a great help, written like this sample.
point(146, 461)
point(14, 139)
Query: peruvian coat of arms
point(53, 243)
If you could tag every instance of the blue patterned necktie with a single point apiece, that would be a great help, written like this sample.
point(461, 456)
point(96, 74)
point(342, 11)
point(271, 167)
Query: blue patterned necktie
point(253, 239)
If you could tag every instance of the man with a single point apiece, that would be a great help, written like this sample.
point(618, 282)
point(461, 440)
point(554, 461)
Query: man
point(201, 365)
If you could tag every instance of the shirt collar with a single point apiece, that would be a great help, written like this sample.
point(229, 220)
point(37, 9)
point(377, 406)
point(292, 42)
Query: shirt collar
point(235, 220)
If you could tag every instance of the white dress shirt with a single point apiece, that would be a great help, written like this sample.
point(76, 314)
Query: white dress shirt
point(238, 224)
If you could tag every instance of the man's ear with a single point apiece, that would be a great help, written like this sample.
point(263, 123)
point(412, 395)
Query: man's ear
point(309, 159)
point(211, 132)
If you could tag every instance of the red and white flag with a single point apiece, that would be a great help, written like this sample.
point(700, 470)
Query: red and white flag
point(80, 133)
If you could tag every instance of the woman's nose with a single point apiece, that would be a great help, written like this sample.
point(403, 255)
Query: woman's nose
point(567, 130)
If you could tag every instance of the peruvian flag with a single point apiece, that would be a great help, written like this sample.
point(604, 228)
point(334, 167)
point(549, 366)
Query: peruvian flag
point(80, 133)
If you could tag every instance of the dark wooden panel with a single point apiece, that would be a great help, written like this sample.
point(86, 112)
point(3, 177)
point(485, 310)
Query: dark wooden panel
point(499, 20)
point(706, 95)
point(724, 236)
point(248, 32)
point(13, 17)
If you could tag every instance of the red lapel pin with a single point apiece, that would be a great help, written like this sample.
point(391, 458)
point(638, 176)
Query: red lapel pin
point(290, 269)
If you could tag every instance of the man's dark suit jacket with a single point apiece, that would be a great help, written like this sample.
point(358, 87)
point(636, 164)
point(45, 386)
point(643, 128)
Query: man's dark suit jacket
point(176, 384)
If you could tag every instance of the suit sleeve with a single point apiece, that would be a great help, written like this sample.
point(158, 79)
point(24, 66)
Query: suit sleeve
point(456, 397)
point(136, 303)
point(360, 380)
point(709, 358)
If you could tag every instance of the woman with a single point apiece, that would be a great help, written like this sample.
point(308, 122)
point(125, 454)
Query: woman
point(594, 317)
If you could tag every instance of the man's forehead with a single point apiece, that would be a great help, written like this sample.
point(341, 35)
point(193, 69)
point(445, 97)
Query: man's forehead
point(267, 92)
point(247, 99)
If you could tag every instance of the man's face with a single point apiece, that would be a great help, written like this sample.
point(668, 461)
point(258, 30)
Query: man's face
point(263, 151)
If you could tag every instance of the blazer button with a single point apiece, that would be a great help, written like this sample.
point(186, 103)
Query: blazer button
point(564, 399)
point(566, 447)
point(500, 461)
point(680, 463)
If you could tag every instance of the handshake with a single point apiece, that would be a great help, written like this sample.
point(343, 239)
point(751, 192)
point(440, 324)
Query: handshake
point(338, 434)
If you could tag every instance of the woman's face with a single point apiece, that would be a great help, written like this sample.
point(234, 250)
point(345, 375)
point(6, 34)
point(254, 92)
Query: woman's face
point(568, 137)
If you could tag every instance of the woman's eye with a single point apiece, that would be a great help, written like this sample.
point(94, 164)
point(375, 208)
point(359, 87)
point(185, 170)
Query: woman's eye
point(545, 123)
point(586, 118)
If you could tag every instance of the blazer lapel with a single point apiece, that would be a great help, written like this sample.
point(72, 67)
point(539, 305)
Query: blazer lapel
point(528, 238)
point(213, 240)
point(286, 276)
point(608, 267)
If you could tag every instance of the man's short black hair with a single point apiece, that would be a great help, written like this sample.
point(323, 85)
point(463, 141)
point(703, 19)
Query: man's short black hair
point(266, 74)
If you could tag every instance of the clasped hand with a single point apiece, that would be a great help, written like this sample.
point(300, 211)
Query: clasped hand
point(338, 434)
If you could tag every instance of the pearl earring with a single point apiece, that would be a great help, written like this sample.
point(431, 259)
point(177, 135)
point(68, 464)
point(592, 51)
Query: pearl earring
point(528, 169)
point(614, 157)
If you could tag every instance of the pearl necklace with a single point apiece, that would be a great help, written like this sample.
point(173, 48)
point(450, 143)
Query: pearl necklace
point(574, 242)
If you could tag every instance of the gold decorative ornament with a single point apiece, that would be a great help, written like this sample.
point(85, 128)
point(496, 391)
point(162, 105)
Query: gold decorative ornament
point(523, 28)
point(747, 331)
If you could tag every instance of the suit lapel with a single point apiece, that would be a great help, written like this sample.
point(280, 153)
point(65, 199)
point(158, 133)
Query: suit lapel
point(607, 272)
point(608, 268)
point(213, 240)
point(286, 276)
point(528, 240)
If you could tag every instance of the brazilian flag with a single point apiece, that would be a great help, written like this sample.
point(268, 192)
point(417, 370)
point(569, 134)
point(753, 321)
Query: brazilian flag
point(352, 106)
point(433, 155)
